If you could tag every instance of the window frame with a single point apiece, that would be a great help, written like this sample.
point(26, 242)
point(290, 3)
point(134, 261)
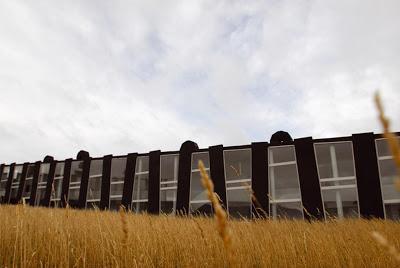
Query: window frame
point(378, 159)
point(140, 201)
point(286, 163)
point(203, 201)
point(174, 183)
point(334, 179)
point(232, 182)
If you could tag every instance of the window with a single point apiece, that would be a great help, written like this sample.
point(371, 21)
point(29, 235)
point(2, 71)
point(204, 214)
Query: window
point(55, 197)
point(16, 179)
point(199, 203)
point(75, 182)
point(93, 194)
point(337, 179)
point(141, 185)
point(388, 174)
point(237, 165)
point(118, 167)
point(26, 193)
point(42, 182)
point(169, 165)
point(3, 182)
point(284, 187)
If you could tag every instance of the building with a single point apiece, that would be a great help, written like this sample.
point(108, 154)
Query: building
point(303, 178)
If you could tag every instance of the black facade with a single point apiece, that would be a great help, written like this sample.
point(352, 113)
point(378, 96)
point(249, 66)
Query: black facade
point(306, 178)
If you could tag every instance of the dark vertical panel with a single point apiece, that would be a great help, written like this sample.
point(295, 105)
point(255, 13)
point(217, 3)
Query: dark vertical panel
point(367, 171)
point(129, 180)
point(49, 185)
point(84, 182)
point(154, 182)
point(65, 182)
point(22, 182)
point(8, 185)
point(259, 171)
point(309, 181)
point(106, 182)
point(183, 192)
point(35, 183)
point(217, 172)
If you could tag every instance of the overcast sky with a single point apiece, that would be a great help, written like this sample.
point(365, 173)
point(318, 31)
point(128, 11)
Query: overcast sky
point(114, 77)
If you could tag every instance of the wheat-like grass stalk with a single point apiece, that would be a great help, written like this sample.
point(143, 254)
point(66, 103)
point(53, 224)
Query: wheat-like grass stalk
point(220, 214)
point(385, 243)
point(391, 138)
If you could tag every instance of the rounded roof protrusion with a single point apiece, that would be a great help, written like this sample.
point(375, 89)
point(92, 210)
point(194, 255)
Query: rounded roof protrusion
point(82, 155)
point(280, 137)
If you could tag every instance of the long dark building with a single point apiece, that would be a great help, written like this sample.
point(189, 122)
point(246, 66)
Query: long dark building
point(345, 177)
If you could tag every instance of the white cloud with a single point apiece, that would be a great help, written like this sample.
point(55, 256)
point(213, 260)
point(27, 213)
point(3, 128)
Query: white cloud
point(118, 77)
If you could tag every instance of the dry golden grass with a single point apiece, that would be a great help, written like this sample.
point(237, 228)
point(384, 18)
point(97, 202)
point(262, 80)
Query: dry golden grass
point(34, 237)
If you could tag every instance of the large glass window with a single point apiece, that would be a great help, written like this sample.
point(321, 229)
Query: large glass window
point(199, 203)
point(141, 185)
point(55, 197)
point(284, 187)
point(3, 182)
point(16, 179)
point(388, 175)
point(75, 182)
point(337, 179)
point(93, 194)
point(26, 194)
point(42, 183)
point(238, 182)
point(169, 165)
point(118, 167)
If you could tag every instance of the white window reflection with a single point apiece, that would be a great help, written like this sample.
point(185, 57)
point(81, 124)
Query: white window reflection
point(141, 185)
point(199, 203)
point(3, 182)
point(26, 193)
point(237, 165)
point(42, 183)
point(169, 165)
point(56, 188)
point(94, 183)
point(337, 178)
point(388, 175)
point(16, 179)
point(75, 182)
point(118, 167)
point(284, 187)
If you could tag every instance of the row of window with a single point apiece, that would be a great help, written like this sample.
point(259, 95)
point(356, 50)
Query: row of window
point(336, 171)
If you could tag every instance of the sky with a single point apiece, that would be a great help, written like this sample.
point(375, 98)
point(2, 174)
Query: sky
point(115, 77)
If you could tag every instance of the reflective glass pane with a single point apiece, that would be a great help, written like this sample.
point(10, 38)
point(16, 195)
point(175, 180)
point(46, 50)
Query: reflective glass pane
point(115, 204)
point(42, 183)
point(284, 182)
point(93, 204)
point(139, 207)
point(118, 166)
point(201, 209)
point(57, 182)
point(388, 173)
point(116, 189)
point(200, 156)
point(197, 191)
point(290, 210)
point(142, 164)
point(383, 147)
point(281, 154)
point(237, 164)
point(340, 203)
point(169, 168)
point(28, 182)
point(16, 181)
point(338, 182)
point(392, 211)
point(167, 201)
point(239, 203)
point(94, 183)
point(335, 160)
point(141, 187)
point(76, 171)
point(3, 182)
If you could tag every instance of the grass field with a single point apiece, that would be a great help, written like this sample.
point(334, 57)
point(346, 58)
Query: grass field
point(40, 237)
